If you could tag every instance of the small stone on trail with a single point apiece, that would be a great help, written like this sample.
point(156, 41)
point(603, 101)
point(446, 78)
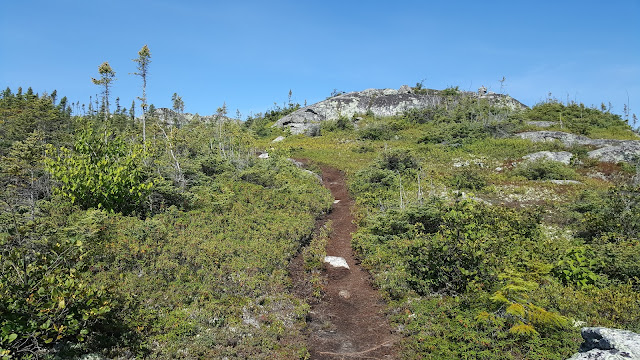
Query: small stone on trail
point(336, 201)
point(336, 261)
point(344, 294)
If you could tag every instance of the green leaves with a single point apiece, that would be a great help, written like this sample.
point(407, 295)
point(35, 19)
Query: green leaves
point(48, 297)
point(102, 171)
point(577, 267)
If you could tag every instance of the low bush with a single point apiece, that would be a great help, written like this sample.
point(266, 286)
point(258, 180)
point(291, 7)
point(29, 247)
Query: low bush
point(469, 178)
point(545, 170)
point(397, 160)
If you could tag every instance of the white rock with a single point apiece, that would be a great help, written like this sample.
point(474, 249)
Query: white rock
point(565, 182)
point(278, 139)
point(608, 344)
point(336, 261)
point(336, 201)
point(578, 323)
point(380, 102)
point(344, 294)
point(263, 156)
point(560, 156)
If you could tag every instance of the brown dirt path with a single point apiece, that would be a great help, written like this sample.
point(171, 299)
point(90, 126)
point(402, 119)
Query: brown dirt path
point(348, 323)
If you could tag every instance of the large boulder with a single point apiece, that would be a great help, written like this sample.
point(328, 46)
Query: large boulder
point(379, 102)
point(608, 344)
point(628, 151)
point(559, 156)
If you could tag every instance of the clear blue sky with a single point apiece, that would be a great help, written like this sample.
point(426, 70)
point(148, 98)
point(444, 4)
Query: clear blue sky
point(249, 54)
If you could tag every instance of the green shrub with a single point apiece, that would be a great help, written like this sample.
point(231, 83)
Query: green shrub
point(576, 117)
point(545, 170)
point(47, 295)
point(397, 160)
point(422, 116)
point(214, 165)
point(342, 123)
point(614, 215)
point(474, 243)
point(577, 267)
point(468, 177)
point(465, 132)
point(450, 91)
point(447, 327)
point(620, 260)
point(376, 131)
point(102, 171)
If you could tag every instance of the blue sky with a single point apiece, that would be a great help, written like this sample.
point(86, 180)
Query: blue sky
point(249, 54)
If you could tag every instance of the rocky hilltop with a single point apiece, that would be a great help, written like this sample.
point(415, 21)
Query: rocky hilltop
point(379, 102)
point(173, 118)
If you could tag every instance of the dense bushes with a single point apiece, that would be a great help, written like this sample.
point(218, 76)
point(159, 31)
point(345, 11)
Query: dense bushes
point(449, 246)
point(576, 117)
point(47, 295)
point(108, 263)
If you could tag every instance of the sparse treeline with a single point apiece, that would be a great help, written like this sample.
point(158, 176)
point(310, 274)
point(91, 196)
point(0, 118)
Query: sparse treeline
point(149, 238)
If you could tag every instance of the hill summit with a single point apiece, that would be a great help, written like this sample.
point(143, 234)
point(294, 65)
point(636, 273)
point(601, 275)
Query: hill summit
point(382, 103)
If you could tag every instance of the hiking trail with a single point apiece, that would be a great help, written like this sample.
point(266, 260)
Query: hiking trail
point(349, 321)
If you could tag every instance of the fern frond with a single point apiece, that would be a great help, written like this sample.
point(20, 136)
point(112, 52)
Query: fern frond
point(522, 329)
point(516, 309)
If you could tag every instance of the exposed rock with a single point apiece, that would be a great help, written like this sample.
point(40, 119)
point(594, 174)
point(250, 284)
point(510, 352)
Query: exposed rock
point(301, 166)
point(404, 89)
point(92, 356)
point(278, 139)
point(560, 156)
point(263, 156)
point(379, 102)
point(336, 261)
point(344, 294)
point(249, 319)
point(479, 162)
point(542, 124)
point(609, 150)
point(296, 162)
point(566, 138)
point(608, 344)
point(173, 118)
point(565, 182)
point(318, 177)
point(627, 151)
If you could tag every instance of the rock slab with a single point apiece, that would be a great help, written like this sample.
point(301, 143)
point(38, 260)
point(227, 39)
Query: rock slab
point(559, 156)
point(378, 102)
point(608, 150)
point(608, 344)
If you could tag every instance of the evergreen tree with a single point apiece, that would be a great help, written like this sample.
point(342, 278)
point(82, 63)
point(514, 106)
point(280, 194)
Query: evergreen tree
point(132, 110)
point(143, 60)
point(178, 104)
point(107, 76)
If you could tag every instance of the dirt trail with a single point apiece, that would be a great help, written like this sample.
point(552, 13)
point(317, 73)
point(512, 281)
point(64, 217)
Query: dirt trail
point(348, 323)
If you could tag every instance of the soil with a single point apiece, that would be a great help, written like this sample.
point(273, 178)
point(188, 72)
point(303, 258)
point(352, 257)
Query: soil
point(349, 321)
